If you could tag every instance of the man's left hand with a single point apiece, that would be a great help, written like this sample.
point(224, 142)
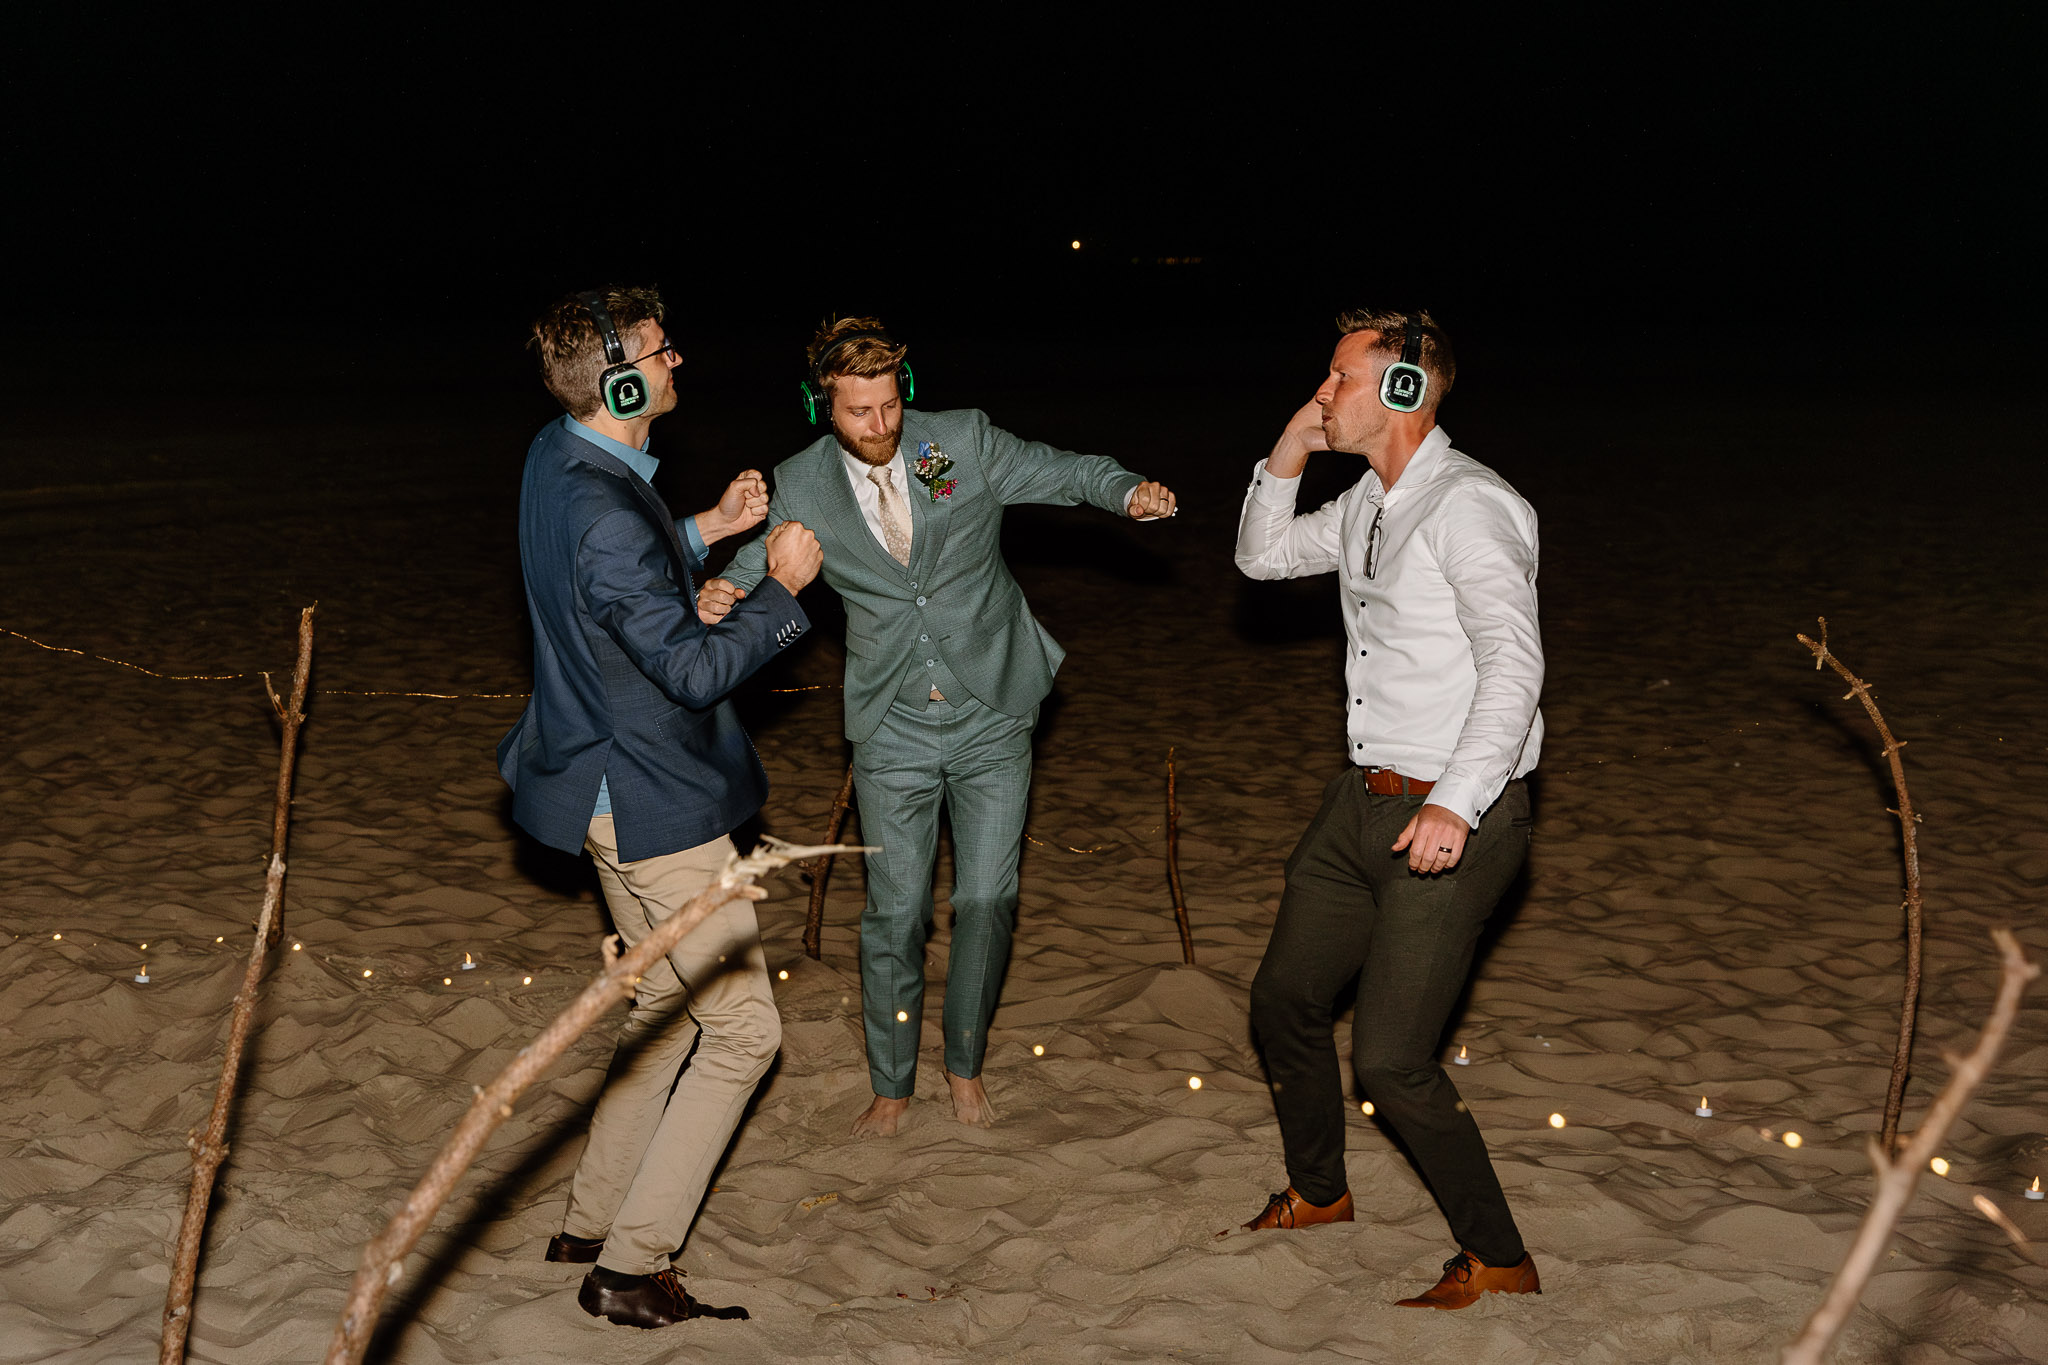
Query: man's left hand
point(1435, 840)
point(715, 599)
point(1149, 502)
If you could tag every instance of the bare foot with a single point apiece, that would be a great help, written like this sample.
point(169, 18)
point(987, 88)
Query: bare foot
point(971, 1103)
point(880, 1118)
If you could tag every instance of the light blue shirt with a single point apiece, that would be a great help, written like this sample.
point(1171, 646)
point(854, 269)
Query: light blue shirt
point(643, 464)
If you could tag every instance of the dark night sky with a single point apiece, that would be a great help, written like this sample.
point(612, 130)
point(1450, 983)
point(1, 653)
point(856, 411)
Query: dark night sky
point(1795, 187)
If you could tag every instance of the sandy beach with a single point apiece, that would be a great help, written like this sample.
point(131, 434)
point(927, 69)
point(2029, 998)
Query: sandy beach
point(1710, 909)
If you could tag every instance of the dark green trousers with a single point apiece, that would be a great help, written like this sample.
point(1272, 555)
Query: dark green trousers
point(1352, 908)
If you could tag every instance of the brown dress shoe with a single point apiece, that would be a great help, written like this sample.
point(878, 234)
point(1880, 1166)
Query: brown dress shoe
point(655, 1300)
point(1466, 1278)
point(582, 1250)
point(1289, 1210)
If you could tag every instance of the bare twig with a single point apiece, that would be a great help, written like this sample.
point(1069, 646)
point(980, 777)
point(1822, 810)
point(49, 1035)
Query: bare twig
point(383, 1257)
point(2008, 1227)
point(821, 871)
point(1897, 1176)
point(211, 1148)
point(1909, 1006)
point(1180, 903)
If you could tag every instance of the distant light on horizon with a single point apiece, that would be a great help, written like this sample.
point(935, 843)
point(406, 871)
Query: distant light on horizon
point(1075, 244)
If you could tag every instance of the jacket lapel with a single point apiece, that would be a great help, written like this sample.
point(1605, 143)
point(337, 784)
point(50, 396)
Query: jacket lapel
point(843, 514)
point(650, 503)
point(928, 514)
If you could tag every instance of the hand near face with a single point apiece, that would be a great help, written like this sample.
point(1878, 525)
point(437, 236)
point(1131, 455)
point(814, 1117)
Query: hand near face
point(1150, 501)
point(715, 600)
point(794, 557)
point(1306, 426)
point(1435, 840)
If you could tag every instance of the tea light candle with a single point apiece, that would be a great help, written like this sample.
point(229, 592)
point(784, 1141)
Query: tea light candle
point(142, 977)
point(1703, 1109)
point(2033, 1191)
point(1462, 1059)
point(468, 963)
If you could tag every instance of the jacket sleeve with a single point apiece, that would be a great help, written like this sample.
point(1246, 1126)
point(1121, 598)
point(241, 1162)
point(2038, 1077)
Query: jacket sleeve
point(623, 580)
point(1032, 471)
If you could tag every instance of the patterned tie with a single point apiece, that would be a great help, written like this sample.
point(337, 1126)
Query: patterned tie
point(895, 516)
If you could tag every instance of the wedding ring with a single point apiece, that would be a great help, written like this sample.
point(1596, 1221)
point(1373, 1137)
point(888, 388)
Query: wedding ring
point(1443, 848)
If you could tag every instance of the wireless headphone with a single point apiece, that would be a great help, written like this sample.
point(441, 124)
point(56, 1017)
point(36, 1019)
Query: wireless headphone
point(625, 389)
point(1405, 384)
point(818, 402)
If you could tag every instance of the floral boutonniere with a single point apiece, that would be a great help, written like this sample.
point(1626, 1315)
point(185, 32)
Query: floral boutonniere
point(930, 467)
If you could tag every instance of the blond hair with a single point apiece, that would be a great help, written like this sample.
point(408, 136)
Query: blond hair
point(864, 356)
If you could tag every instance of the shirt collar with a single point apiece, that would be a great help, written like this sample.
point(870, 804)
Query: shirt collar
point(639, 461)
point(1421, 466)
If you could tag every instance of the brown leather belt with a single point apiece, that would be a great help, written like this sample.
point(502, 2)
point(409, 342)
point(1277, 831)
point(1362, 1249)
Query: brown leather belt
point(1387, 782)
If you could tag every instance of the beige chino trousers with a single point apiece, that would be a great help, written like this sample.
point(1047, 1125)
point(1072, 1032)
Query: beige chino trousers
point(651, 1152)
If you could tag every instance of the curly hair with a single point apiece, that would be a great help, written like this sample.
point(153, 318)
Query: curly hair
point(867, 357)
point(571, 349)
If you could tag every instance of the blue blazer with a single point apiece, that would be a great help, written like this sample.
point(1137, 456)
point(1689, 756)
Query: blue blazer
point(629, 686)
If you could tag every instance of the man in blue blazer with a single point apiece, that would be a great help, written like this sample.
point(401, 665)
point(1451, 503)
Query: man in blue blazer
point(630, 749)
point(945, 668)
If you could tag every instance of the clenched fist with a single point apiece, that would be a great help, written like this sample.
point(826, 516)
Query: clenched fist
point(794, 558)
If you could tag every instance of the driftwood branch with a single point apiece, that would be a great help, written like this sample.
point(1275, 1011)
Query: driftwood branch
point(211, 1148)
point(1909, 1005)
point(1180, 902)
point(383, 1257)
point(1897, 1176)
point(821, 871)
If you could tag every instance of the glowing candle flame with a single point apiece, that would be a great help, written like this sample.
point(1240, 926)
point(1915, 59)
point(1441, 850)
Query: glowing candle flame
point(1557, 1120)
point(1939, 1165)
point(297, 946)
point(366, 971)
point(56, 936)
point(1463, 1058)
point(782, 975)
point(145, 947)
point(527, 982)
point(1194, 1082)
point(2033, 1191)
point(1038, 1049)
point(1793, 1139)
point(447, 980)
point(1365, 1107)
point(221, 939)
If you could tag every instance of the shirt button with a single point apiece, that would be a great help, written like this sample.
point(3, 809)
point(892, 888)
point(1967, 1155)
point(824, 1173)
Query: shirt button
point(1359, 745)
point(1361, 654)
point(1358, 701)
point(920, 601)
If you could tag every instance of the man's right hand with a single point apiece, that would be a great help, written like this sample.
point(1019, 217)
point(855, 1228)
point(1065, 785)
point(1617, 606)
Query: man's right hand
point(1303, 434)
point(794, 558)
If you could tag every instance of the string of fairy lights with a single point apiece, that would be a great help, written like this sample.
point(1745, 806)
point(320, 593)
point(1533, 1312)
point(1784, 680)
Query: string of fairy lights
point(457, 974)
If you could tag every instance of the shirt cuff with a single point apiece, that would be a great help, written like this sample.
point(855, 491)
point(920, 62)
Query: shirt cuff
point(1271, 488)
point(695, 539)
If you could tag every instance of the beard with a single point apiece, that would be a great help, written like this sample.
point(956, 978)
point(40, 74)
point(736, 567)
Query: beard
point(871, 450)
point(1356, 433)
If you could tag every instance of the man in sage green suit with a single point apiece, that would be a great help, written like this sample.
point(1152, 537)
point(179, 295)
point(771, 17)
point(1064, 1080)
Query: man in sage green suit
point(945, 668)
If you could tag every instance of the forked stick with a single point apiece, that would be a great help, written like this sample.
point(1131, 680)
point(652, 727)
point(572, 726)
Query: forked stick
point(1909, 1006)
point(383, 1257)
point(1898, 1176)
point(821, 872)
point(211, 1148)
point(1180, 902)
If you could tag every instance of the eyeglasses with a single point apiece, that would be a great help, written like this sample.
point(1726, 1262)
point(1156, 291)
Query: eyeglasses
point(667, 348)
point(1373, 540)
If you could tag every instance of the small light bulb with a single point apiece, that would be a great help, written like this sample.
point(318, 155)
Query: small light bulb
point(1074, 245)
point(1038, 1049)
point(447, 980)
point(1365, 1108)
point(1939, 1165)
point(297, 946)
point(1793, 1139)
point(366, 971)
point(782, 975)
point(56, 936)
point(1557, 1120)
point(145, 947)
point(1194, 1082)
point(222, 939)
point(527, 982)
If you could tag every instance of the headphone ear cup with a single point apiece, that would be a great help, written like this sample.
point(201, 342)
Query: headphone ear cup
point(906, 383)
point(815, 402)
point(1403, 386)
point(626, 394)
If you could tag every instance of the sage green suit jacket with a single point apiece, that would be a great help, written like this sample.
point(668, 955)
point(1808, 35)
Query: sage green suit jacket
point(956, 590)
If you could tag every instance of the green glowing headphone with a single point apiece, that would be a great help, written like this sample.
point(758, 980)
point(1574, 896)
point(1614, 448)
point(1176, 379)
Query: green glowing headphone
point(1405, 383)
point(626, 391)
point(818, 402)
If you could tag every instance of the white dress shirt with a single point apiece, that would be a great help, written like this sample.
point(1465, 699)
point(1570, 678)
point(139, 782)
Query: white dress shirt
point(1445, 660)
point(870, 498)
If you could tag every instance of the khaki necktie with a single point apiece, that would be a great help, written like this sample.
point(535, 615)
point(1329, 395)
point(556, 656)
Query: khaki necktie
point(895, 516)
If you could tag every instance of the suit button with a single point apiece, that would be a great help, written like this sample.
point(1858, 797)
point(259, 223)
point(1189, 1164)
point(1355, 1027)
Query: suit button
point(913, 587)
point(924, 639)
point(920, 601)
point(931, 663)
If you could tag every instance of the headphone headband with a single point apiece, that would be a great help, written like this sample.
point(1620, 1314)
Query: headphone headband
point(1404, 384)
point(818, 368)
point(1411, 340)
point(818, 403)
point(614, 352)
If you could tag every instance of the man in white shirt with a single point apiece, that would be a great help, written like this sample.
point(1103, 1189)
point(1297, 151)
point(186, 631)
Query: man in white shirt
point(1399, 870)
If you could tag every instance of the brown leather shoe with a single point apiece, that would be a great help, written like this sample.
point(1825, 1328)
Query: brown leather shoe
point(1289, 1210)
point(655, 1300)
point(581, 1250)
point(1466, 1278)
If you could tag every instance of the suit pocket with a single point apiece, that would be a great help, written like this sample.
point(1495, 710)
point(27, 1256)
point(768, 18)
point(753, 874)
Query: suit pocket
point(861, 648)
